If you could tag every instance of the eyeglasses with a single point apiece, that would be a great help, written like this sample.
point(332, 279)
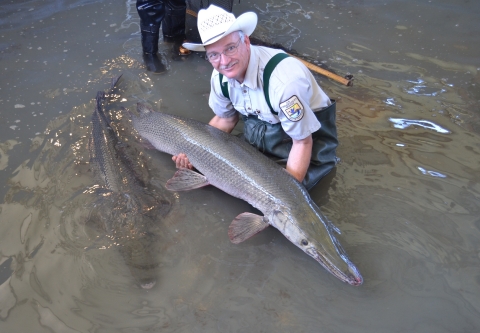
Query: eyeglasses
point(229, 51)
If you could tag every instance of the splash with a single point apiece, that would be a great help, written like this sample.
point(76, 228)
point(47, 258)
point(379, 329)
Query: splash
point(421, 88)
point(431, 173)
point(405, 123)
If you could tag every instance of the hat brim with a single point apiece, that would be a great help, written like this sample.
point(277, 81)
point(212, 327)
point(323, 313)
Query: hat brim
point(246, 22)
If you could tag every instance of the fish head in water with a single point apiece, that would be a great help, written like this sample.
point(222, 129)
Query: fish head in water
point(312, 233)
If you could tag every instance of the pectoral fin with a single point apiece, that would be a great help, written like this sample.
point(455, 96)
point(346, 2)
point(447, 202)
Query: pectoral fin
point(245, 226)
point(186, 179)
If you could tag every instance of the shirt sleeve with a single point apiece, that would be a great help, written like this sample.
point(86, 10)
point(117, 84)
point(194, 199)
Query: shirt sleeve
point(295, 95)
point(221, 105)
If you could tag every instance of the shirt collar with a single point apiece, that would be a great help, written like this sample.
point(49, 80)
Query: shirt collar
point(252, 69)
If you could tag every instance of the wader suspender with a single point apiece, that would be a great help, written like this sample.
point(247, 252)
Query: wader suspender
point(272, 139)
point(271, 64)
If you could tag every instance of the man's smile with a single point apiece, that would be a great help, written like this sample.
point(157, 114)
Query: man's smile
point(228, 66)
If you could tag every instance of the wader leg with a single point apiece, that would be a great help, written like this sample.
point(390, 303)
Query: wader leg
point(274, 142)
point(151, 13)
point(173, 25)
point(315, 173)
point(325, 144)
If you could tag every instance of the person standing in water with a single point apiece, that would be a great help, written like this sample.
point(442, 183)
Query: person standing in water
point(170, 14)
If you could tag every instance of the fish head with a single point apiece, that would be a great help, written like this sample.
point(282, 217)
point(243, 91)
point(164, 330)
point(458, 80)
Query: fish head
point(141, 120)
point(144, 109)
point(146, 124)
point(314, 235)
point(342, 269)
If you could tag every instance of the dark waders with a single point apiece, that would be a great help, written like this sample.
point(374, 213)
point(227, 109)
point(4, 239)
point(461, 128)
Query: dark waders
point(170, 15)
point(272, 140)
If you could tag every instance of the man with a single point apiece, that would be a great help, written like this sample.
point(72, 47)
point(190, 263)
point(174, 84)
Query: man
point(276, 97)
point(170, 14)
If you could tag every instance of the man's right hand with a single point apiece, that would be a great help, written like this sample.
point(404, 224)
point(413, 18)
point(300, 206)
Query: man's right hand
point(181, 161)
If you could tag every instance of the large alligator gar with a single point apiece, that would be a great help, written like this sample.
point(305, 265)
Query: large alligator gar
point(125, 209)
point(238, 169)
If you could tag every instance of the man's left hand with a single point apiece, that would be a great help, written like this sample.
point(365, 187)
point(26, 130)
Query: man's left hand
point(181, 161)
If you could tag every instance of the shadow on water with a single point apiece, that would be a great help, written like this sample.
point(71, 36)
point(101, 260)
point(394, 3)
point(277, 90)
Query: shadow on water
point(405, 194)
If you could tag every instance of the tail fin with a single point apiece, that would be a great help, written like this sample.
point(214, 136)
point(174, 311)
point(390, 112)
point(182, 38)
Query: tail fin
point(114, 81)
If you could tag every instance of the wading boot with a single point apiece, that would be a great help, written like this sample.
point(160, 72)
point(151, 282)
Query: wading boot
point(177, 47)
point(152, 61)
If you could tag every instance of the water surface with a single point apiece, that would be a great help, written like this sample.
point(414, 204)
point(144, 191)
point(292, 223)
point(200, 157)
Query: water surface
point(405, 194)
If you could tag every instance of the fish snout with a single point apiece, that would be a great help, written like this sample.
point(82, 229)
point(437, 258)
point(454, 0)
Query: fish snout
point(355, 278)
point(342, 269)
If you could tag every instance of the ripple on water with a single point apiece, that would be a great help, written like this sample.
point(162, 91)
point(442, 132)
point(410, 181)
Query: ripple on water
point(423, 88)
point(405, 123)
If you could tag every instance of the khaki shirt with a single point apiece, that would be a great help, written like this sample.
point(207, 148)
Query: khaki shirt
point(293, 92)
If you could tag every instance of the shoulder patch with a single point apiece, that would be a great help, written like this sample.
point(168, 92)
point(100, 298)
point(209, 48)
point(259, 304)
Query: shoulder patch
point(292, 108)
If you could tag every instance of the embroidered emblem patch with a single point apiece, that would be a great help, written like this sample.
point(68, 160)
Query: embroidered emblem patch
point(292, 108)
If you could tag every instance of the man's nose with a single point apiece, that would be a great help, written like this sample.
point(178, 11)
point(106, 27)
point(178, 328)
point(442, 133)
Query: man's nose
point(224, 59)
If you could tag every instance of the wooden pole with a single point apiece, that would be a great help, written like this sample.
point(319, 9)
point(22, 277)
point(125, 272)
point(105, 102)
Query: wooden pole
point(191, 12)
point(319, 70)
point(312, 67)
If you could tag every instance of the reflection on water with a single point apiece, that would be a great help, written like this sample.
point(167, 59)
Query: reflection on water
point(405, 195)
point(431, 173)
point(420, 87)
point(404, 123)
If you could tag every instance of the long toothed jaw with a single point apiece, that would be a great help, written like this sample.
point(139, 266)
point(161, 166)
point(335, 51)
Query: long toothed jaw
point(352, 276)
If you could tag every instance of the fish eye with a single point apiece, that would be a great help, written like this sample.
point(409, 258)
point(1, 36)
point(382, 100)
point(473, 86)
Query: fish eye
point(304, 242)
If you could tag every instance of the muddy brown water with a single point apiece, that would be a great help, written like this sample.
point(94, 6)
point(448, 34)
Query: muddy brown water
point(405, 195)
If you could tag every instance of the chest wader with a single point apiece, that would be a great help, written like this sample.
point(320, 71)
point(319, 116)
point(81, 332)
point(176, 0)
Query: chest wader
point(170, 15)
point(272, 140)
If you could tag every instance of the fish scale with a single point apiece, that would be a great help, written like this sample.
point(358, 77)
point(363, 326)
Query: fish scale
point(125, 208)
point(237, 168)
point(104, 155)
point(233, 156)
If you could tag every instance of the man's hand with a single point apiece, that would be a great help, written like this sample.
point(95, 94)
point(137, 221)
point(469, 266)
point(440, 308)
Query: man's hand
point(181, 161)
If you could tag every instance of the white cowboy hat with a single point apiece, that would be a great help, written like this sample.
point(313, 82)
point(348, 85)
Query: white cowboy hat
point(215, 22)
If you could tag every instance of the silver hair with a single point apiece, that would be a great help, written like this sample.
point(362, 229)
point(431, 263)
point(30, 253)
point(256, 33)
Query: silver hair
point(241, 34)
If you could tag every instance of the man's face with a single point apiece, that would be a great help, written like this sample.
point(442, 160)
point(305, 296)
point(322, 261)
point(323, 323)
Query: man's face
point(234, 66)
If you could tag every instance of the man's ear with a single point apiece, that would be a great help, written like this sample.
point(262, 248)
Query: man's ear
point(247, 40)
